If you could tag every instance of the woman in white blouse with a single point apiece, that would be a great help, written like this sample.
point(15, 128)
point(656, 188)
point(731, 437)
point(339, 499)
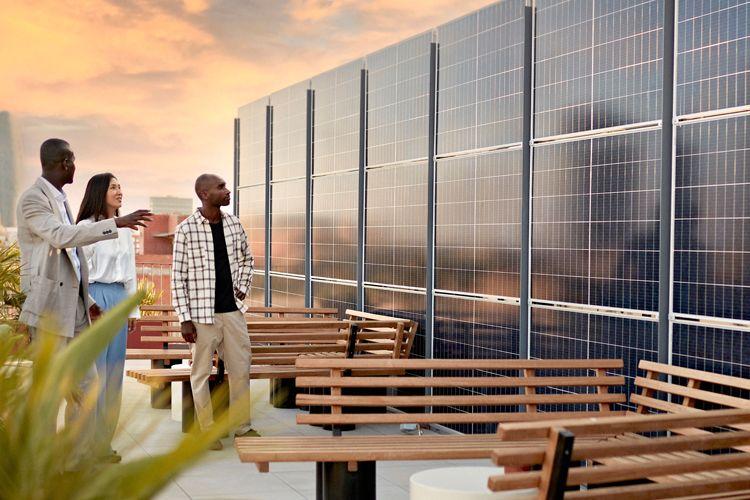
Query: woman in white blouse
point(112, 278)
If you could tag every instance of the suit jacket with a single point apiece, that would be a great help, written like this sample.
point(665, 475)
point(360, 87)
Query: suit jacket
point(48, 275)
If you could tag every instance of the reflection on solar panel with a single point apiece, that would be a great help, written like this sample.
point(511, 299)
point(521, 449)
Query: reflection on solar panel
point(475, 329)
point(289, 128)
point(713, 349)
point(397, 101)
point(480, 84)
point(596, 221)
point(597, 64)
point(478, 223)
point(252, 207)
point(399, 304)
point(712, 219)
point(288, 227)
point(336, 295)
point(713, 67)
point(257, 295)
point(396, 219)
point(336, 136)
point(253, 143)
point(334, 226)
point(287, 291)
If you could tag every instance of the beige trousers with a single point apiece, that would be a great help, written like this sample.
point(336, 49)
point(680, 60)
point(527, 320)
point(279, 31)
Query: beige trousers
point(229, 336)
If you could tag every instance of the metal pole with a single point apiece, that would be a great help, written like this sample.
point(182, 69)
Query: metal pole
point(361, 189)
point(236, 204)
point(269, 125)
point(431, 149)
point(308, 198)
point(665, 201)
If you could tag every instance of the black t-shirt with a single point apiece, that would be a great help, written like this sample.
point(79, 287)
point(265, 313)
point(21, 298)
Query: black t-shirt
point(224, 289)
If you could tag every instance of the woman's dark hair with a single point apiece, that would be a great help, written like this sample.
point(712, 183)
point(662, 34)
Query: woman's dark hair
point(94, 202)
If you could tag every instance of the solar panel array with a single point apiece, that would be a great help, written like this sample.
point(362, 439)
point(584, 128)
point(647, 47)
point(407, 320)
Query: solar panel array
point(598, 176)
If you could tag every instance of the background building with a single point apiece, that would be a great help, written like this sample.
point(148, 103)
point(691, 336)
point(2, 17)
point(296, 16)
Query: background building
point(171, 205)
point(10, 162)
point(572, 186)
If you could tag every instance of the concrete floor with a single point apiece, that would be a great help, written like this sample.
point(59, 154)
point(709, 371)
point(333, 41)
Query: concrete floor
point(220, 474)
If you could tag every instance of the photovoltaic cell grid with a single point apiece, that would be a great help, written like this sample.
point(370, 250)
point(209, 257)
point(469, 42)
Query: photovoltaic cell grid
point(595, 221)
point(252, 209)
point(253, 143)
point(480, 84)
point(336, 118)
point(597, 64)
point(288, 227)
point(573, 335)
point(480, 330)
point(399, 304)
point(257, 297)
point(711, 349)
point(478, 223)
point(334, 226)
point(287, 292)
point(396, 222)
point(713, 67)
point(712, 219)
point(289, 128)
point(398, 92)
point(336, 295)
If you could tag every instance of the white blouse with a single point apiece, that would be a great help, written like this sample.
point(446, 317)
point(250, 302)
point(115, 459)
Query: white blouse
point(113, 261)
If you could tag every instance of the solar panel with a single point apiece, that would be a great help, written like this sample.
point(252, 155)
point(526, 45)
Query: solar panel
point(288, 227)
point(396, 222)
point(336, 118)
point(334, 226)
point(253, 143)
point(597, 64)
point(287, 291)
point(252, 209)
point(564, 334)
point(257, 295)
point(480, 83)
point(478, 223)
point(336, 295)
point(398, 101)
point(595, 221)
point(712, 349)
point(712, 219)
point(713, 43)
point(289, 142)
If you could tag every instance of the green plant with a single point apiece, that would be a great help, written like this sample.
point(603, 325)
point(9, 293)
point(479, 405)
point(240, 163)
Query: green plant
point(150, 295)
point(34, 461)
point(11, 296)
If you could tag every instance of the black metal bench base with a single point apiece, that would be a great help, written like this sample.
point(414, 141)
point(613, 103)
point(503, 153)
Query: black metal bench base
point(334, 481)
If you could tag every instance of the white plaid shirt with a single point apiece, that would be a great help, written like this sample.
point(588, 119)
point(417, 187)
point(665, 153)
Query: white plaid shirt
point(193, 268)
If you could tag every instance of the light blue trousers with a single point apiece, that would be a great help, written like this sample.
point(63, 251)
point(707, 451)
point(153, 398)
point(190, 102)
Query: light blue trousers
point(110, 366)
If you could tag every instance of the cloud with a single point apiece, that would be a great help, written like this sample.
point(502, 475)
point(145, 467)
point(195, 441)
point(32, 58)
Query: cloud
point(149, 88)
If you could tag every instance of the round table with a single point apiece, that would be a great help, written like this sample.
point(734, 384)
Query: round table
point(460, 483)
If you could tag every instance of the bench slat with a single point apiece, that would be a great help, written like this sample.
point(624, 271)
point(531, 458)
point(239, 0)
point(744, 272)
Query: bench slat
point(440, 418)
point(711, 397)
point(500, 400)
point(459, 381)
point(468, 364)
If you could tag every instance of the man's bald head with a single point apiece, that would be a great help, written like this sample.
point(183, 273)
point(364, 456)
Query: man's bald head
point(204, 182)
point(212, 190)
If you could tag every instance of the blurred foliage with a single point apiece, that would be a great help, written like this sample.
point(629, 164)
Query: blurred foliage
point(39, 462)
point(150, 296)
point(11, 296)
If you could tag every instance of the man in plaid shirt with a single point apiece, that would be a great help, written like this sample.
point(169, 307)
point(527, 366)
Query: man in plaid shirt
point(212, 268)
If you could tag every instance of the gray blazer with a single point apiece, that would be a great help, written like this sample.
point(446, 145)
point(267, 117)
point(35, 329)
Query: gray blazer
point(48, 275)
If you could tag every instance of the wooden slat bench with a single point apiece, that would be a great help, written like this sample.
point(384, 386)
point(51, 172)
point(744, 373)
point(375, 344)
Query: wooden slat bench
point(521, 382)
point(682, 468)
point(354, 457)
point(410, 326)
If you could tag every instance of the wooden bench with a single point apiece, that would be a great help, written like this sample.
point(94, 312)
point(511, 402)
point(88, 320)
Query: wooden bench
point(276, 345)
point(410, 326)
point(682, 470)
point(352, 459)
point(514, 396)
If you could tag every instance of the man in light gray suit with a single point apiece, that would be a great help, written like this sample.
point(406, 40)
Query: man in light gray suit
point(54, 274)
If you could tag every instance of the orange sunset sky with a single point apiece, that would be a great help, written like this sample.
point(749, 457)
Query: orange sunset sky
point(148, 89)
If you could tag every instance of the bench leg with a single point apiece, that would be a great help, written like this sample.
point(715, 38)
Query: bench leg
point(161, 396)
point(283, 393)
point(334, 481)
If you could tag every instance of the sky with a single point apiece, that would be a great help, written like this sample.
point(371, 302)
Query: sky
point(148, 90)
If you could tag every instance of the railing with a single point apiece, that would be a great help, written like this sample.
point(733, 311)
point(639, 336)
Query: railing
point(155, 269)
